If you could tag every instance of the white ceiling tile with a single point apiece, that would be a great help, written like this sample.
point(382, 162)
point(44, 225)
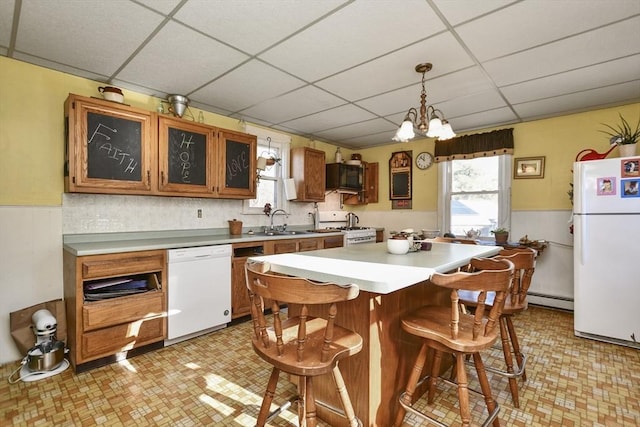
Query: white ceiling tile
point(77, 33)
point(180, 60)
point(470, 104)
point(370, 140)
point(610, 95)
point(608, 73)
point(247, 85)
point(518, 26)
point(6, 21)
point(162, 6)
point(457, 11)
point(304, 101)
point(329, 119)
point(368, 127)
point(483, 119)
point(265, 22)
point(398, 68)
point(594, 47)
point(358, 33)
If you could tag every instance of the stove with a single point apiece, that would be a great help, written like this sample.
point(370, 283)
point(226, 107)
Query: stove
point(336, 220)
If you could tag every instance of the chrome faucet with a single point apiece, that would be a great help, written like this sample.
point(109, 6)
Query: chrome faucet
point(284, 226)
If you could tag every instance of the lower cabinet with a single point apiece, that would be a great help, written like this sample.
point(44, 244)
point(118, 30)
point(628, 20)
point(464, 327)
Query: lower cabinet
point(240, 303)
point(102, 323)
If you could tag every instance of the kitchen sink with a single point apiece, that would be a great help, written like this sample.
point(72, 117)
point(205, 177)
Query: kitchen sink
point(280, 233)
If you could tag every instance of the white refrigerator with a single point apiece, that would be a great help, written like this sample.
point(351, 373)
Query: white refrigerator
point(606, 227)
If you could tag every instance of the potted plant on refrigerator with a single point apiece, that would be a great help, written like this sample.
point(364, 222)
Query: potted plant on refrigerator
point(624, 136)
point(501, 234)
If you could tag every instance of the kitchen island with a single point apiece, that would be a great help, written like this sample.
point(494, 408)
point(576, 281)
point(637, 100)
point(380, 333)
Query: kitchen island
point(390, 286)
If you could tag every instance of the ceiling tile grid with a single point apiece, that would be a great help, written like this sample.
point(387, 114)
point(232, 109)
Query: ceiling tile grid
point(342, 71)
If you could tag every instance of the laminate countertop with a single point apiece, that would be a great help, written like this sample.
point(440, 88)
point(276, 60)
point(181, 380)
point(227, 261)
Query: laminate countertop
point(109, 243)
point(372, 268)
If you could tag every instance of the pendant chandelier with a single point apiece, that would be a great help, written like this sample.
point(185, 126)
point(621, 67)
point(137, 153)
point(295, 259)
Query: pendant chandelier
point(432, 122)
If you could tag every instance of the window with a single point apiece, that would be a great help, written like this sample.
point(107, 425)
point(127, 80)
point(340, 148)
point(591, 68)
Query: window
point(270, 186)
point(475, 194)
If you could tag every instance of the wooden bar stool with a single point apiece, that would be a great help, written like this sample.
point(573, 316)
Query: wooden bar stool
point(447, 330)
point(303, 346)
point(524, 261)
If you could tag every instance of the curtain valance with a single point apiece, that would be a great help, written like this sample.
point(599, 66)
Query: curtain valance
point(492, 143)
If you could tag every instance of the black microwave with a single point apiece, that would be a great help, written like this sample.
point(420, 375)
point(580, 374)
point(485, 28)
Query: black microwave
point(344, 177)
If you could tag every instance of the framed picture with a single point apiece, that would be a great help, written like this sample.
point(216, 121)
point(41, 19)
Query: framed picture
point(630, 168)
point(529, 167)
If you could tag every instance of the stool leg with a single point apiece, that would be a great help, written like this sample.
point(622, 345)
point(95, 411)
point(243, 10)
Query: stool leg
point(344, 397)
point(435, 372)
point(302, 401)
point(508, 360)
point(516, 346)
point(463, 390)
point(310, 398)
point(268, 397)
point(414, 377)
point(484, 386)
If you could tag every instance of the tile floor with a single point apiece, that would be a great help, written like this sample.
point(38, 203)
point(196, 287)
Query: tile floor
point(216, 380)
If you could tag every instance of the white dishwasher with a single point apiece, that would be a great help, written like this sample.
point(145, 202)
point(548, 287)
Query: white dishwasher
point(199, 291)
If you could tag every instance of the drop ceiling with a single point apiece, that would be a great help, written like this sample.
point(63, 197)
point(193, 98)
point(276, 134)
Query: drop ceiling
point(343, 71)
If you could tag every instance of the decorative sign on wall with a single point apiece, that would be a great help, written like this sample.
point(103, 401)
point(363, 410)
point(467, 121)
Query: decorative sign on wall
point(400, 179)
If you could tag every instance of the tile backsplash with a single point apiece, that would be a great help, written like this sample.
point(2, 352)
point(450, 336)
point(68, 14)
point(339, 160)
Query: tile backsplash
point(99, 213)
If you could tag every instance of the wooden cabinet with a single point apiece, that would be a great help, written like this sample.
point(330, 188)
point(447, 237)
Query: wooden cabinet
point(237, 166)
point(110, 147)
point(308, 173)
point(293, 245)
point(333, 242)
point(369, 193)
point(187, 156)
point(100, 329)
point(240, 303)
point(113, 148)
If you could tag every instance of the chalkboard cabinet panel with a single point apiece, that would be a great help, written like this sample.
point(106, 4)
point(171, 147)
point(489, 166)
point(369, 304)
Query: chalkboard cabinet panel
point(186, 156)
point(237, 164)
point(110, 147)
point(308, 173)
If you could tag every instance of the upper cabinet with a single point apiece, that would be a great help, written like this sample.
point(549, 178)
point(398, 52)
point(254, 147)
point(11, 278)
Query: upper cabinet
point(109, 150)
point(113, 148)
point(187, 154)
point(308, 173)
point(369, 191)
point(237, 167)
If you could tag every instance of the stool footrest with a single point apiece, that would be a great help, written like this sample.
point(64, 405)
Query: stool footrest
point(414, 411)
point(516, 374)
point(282, 408)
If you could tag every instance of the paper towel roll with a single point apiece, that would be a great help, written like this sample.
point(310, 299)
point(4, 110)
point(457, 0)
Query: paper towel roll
point(44, 320)
point(290, 189)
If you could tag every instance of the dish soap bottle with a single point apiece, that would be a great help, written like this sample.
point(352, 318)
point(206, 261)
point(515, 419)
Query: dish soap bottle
point(338, 155)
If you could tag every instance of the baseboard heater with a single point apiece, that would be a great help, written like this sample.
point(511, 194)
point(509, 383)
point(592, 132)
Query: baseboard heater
point(554, 301)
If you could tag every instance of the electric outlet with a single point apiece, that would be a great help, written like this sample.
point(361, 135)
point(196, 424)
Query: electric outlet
point(199, 213)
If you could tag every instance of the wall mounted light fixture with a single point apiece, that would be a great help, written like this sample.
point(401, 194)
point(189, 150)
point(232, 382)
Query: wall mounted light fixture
point(432, 122)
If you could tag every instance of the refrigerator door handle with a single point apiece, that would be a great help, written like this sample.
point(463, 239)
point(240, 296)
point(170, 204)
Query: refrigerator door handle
point(583, 249)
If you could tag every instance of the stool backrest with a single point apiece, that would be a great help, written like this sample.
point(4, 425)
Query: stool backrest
point(483, 275)
point(524, 262)
point(280, 289)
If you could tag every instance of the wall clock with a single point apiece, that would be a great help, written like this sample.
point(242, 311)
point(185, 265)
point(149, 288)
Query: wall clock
point(424, 160)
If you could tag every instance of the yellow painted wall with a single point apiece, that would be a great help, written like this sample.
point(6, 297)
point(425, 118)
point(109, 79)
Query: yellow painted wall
point(32, 143)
